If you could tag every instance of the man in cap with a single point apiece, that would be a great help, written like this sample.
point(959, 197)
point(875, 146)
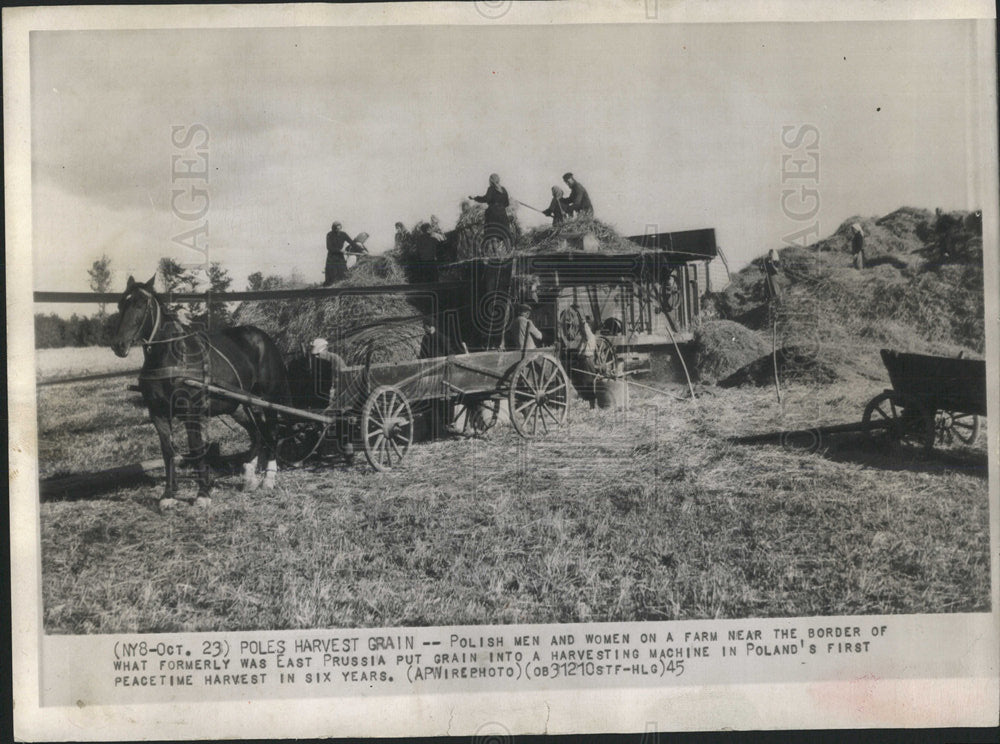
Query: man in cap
point(578, 201)
point(527, 332)
point(858, 246)
point(336, 261)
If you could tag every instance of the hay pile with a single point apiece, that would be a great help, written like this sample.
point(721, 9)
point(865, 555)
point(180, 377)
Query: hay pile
point(571, 235)
point(908, 297)
point(794, 364)
point(387, 325)
point(722, 347)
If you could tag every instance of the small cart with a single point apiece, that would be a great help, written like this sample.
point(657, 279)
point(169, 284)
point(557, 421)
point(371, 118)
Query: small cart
point(933, 400)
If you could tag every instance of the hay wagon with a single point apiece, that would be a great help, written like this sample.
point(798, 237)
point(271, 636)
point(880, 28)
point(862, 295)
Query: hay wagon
point(372, 405)
point(932, 400)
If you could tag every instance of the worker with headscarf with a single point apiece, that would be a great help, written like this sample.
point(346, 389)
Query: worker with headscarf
point(336, 260)
point(496, 199)
point(556, 210)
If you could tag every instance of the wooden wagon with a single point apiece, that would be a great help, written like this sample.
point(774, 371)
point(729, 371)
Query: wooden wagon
point(371, 406)
point(933, 400)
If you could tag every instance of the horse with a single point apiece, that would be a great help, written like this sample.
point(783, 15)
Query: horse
point(243, 359)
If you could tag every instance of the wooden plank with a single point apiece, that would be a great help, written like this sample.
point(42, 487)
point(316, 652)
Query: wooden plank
point(262, 295)
point(87, 378)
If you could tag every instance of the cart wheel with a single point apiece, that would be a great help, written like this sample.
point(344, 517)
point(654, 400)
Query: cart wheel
point(570, 325)
point(386, 427)
point(605, 359)
point(951, 425)
point(300, 443)
point(909, 424)
point(480, 416)
point(539, 393)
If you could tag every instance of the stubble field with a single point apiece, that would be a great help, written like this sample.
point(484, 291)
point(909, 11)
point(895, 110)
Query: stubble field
point(649, 515)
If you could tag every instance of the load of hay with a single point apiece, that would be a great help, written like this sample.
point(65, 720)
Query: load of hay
point(722, 347)
point(385, 326)
point(577, 234)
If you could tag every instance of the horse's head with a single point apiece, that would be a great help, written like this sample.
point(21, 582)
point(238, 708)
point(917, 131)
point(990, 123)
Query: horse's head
point(138, 316)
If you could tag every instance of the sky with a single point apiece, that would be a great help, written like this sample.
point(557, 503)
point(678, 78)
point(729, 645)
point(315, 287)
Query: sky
point(669, 127)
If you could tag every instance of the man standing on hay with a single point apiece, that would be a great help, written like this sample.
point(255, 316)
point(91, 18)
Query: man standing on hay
point(497, 223)
point(336, 260)
point(578, 201)
point(858, 246)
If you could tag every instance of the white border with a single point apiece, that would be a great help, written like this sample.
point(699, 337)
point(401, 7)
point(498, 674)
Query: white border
point(875, 703)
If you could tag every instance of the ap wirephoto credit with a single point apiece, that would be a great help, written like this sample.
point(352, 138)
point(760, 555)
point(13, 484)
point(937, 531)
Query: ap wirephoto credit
point(397, 356)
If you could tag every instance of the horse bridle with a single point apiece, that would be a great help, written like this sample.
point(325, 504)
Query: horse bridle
point(156, 318)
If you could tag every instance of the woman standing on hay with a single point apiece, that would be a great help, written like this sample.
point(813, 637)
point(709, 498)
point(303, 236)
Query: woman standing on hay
point(497, 223)
point(556, 210)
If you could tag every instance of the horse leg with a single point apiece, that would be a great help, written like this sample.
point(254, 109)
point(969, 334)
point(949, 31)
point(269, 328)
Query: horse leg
point(196, 446)
point(268, 444)
point(245, 418)
point(162, 425)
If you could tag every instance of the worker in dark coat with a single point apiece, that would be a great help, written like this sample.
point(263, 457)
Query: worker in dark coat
point(497, 223)
point(434, 343)
point(428, 245)
point(336, 260)
point(556, 210)
point(578, 201)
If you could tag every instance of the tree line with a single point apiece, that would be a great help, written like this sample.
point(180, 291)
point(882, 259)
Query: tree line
point(54, 331)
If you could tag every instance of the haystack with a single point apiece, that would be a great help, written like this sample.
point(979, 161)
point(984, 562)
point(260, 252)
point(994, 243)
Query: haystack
point(721, 347)
point(385, 326)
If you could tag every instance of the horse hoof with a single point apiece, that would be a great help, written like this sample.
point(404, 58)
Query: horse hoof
point(269, 484)
point(203, 502)
point(167, 504)
point(251, 484)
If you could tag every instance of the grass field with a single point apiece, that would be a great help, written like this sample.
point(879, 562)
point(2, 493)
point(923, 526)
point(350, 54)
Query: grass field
point(646, 516)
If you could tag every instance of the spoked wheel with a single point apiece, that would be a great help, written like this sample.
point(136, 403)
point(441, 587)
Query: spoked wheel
point(952, 426)
point(539, 396)
point(479, 416)
point(570, 328)
point(386, 427)
point(605, 359)
point(299, 443)
point(886, 419)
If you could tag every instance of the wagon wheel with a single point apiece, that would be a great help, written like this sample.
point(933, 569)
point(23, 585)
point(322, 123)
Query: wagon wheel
point(909, 424)
point(605, 359)
point(300, 443)
point(952, 425)
point(480, 416)
point(386, 427)
point(570, 325)
point(539, 394)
